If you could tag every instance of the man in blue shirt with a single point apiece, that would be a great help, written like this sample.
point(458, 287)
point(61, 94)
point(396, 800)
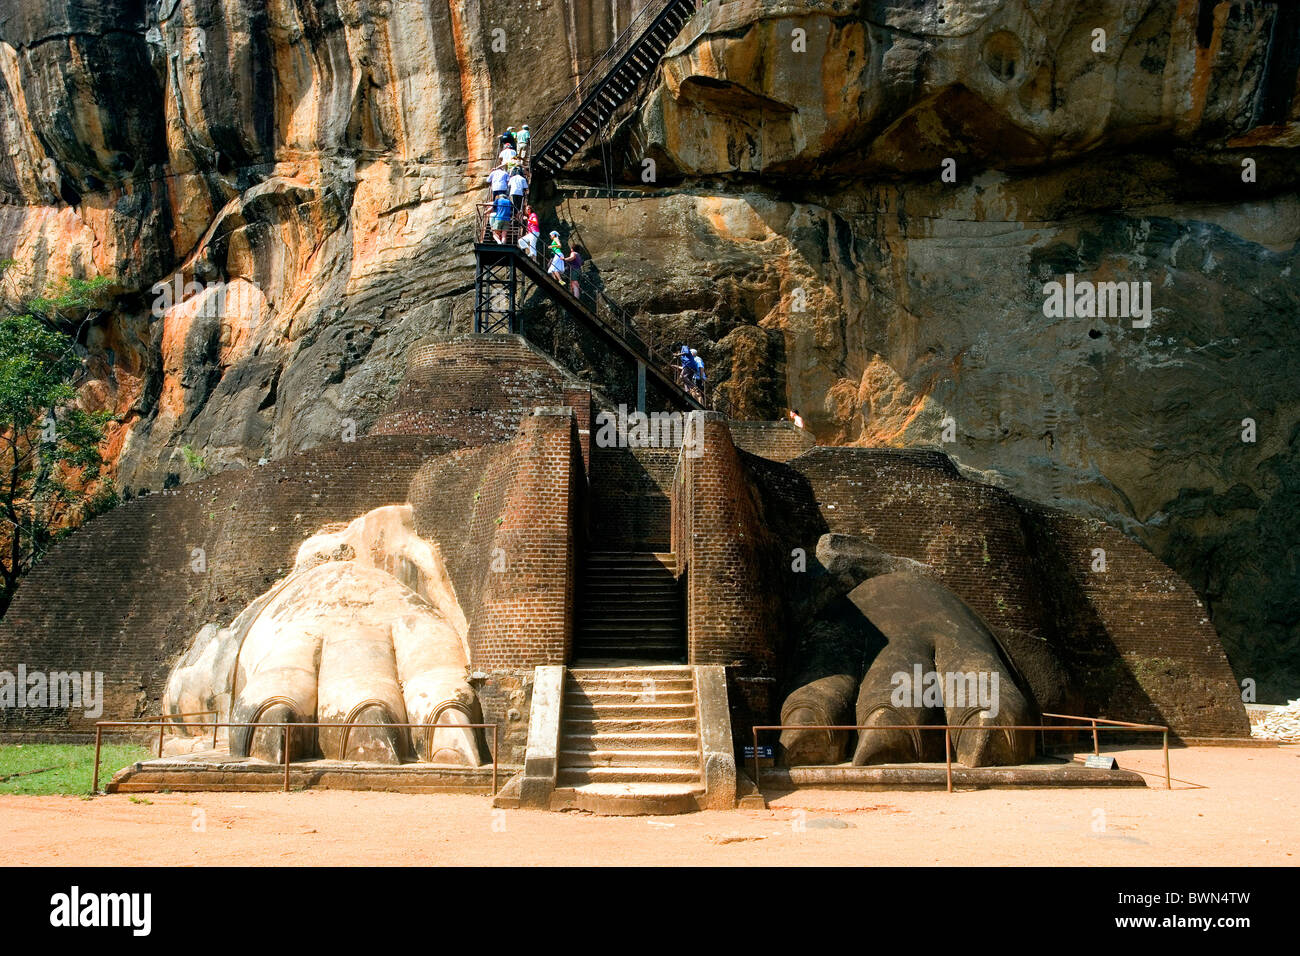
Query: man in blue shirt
point(502, 213)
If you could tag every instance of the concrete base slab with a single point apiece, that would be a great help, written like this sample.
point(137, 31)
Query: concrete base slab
point(923, 776)
point(217, 770)
point(629, 799)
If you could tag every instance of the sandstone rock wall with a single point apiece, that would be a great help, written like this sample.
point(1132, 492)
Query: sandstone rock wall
point(315, 163)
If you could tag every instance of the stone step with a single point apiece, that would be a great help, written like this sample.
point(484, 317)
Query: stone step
point(631, 741)
point(624, 625)
point(607, 581)
point(600, 726)
point(629, 799)
point(650, 633)
point(659, 682)
point(663, 652)
point(618, 649)
point(632, 601)
point(680, 671)
point(576, 696)
point(629, 711)
point(577, 776)
point(661, 558)
point(594, 615)
point(616, 622)
point(630, 760)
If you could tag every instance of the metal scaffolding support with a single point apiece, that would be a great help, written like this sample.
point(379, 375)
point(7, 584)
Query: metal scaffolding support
point(496, 290)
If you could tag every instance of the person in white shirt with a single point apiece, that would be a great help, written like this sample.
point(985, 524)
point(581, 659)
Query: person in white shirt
point(498, 182)
point(518, 189)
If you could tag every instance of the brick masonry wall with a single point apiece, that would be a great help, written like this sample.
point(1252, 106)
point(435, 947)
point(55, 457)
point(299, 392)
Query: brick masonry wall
point(524, 617)
point(718, 533)
point(776, 441)
point(475, 389)
point(1136, 635)
point(1136, 638)
point(630, 509)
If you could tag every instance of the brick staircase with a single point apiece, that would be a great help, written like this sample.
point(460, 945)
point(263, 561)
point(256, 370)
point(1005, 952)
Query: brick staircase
point(629, 741)
point(630, 607)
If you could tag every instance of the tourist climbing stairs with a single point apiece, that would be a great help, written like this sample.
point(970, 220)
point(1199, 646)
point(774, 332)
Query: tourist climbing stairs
point(502, 262)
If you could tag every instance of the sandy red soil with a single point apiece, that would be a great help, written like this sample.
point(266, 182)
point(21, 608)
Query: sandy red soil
point(1229, 806)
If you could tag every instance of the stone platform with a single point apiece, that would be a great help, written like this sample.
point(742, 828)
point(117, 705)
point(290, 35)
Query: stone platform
point(933, 776)
point(217, 770)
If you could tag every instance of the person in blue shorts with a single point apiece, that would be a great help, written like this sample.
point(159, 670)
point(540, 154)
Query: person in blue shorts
point(502, 211)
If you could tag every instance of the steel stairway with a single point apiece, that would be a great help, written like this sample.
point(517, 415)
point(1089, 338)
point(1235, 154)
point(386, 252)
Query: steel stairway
point(610, 83)
point(501, 265)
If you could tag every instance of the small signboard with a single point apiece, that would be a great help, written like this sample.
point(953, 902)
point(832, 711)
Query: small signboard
point(764, 751)
point(1098, 762)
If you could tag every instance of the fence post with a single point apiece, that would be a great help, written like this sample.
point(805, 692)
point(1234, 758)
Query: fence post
point(286, 758)
point(947, 754)
point(1169, 784)
point(94, 784)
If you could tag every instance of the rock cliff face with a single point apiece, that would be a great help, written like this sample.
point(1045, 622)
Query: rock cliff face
point(311, 165)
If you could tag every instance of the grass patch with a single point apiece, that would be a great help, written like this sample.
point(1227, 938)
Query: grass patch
point(43, 769)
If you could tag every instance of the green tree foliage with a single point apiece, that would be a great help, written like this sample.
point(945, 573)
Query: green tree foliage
point(50, 461)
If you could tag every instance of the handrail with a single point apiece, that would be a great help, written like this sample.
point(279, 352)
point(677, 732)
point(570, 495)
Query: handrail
point(101, 724)
point(622, 43)
point(949, 728)
point(613, 317)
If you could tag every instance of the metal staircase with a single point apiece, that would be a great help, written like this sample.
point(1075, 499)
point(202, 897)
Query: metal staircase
point(502, 264)
point(610, 83)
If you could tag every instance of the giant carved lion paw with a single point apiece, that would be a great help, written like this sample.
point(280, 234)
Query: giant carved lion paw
point(365, 630)
point(901, 649)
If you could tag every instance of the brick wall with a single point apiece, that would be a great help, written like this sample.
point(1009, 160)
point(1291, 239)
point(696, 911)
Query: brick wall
point(474, 389)
point(524, 616)
point(776, 441)
point(1136, 639)
point(732, 613)
point(630, 509)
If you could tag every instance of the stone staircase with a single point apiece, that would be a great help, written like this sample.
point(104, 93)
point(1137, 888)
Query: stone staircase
point(629, 741)
point(630, 608)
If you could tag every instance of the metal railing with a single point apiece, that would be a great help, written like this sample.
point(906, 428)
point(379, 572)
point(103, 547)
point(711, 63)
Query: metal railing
point(101, 725)
point(947, 729)
point(556, 119)
point(484, 233)
point(612, 316)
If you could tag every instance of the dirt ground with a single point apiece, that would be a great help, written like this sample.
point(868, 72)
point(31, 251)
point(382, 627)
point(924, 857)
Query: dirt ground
point(1229, 806)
